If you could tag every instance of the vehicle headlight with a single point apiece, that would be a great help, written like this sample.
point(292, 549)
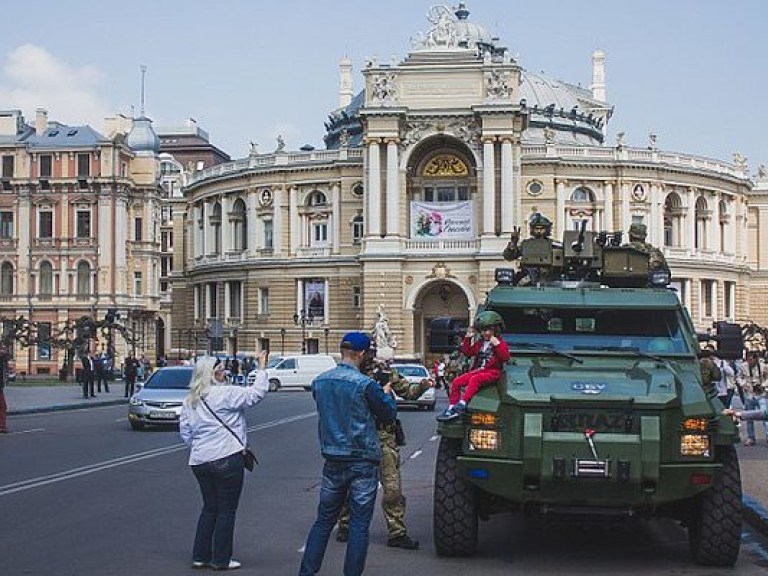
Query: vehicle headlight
point(694, 445)
point(482, 439)
point(136, 401)
point(483, 419)
point(695, 424)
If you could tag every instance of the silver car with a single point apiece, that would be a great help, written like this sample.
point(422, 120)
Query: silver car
point(416, 374)
point(159, 400)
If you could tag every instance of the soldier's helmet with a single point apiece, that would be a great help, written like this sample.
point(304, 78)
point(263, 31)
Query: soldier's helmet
point(539, 225)
point(489, 320)
point(637, 232)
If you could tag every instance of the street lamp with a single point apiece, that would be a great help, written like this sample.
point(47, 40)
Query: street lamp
point(327, 332)
point(282, 341)
point(303, 319)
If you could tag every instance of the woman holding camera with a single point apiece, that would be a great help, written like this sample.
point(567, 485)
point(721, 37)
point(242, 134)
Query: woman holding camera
point(216, 455)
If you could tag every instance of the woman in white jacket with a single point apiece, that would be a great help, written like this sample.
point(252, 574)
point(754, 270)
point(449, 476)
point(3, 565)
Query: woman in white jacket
point(216, 454)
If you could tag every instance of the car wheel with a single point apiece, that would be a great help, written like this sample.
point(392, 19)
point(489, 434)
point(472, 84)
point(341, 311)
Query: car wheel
point(136, 425)
point(455, 511)
point(714, 530)
point(274, 384)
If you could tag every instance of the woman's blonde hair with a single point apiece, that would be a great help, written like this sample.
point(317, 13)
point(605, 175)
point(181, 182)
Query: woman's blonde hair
point(202, 379)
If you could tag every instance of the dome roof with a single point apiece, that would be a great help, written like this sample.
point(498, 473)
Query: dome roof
point(142, 138)
point(470, 32)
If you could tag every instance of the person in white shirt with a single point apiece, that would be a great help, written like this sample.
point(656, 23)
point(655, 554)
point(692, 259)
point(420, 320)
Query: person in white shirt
point(753, 379)
point(216, 454)
point(726, 385)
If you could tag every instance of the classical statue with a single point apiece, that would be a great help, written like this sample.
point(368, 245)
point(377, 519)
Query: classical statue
point(385, 340)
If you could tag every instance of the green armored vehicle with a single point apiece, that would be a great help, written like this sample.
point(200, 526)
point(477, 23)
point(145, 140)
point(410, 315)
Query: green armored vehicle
point(601, 411)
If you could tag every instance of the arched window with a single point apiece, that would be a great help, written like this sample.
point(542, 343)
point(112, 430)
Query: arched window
point(358, 229)
point(581, 206)
point(216, 225)
point(700, 229)
point(723, 223)
point(83, 279)
point(673, 214)
point(583, 194)
point(239, 226)
point(46, 278)
point(445, 178)
point(6, 279)
point(316, 198)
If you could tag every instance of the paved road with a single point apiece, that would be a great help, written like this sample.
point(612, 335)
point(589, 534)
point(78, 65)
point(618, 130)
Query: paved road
point(80, 493)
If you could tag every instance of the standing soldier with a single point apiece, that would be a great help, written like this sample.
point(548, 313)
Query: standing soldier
point(710, 373)
point(392, 500)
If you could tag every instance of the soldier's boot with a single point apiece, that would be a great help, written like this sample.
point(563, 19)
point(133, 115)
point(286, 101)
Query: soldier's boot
point(342, 535)
point(403, 541)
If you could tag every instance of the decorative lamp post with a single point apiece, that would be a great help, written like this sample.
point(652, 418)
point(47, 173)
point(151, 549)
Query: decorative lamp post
point(327, 331)
point(282, 341)
point(303, 319)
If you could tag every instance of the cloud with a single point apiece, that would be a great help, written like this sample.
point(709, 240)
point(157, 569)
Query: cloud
point(31, 78)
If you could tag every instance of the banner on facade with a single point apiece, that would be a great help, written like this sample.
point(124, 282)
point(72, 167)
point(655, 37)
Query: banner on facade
point(314, 298)
point(442, 221)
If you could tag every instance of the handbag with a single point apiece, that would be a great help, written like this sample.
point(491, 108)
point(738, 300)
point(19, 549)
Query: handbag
point(249, 458)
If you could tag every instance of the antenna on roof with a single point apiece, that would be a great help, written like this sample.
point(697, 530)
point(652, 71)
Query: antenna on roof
point(143, 75)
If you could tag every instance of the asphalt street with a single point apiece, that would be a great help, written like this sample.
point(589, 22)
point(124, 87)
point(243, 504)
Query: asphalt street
point(83, 494)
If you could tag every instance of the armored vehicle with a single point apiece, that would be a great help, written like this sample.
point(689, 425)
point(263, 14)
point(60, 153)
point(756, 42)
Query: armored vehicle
point(601, 412)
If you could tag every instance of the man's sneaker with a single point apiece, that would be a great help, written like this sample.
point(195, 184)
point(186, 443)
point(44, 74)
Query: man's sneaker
point(342, 535)
point(196, 564)
point(449, 414)
point(403, 541)
point(233, 565)
point(460, 408)
point(749, 442)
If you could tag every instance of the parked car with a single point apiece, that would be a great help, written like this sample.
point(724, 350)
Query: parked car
point(159, 399)
point(294, 371)
point(417, 374)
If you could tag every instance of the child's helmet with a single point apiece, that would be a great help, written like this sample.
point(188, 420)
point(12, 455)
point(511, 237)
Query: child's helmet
point(488, 319)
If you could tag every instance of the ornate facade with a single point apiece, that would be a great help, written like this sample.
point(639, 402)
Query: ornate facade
point(426, 173)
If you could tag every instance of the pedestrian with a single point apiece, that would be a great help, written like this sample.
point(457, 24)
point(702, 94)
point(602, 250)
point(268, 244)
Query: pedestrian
point(130, 373)
point(392, 500)
point(753, 379)
point(100, 363)
point(440, 376)
point(725, 385)
point(88, 375)
point(710, 372)
point(4, 357)
point(489, 352)
point(213, 426)
point(349, 404)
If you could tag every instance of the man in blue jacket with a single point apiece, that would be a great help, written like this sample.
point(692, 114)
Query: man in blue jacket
point(348, 403)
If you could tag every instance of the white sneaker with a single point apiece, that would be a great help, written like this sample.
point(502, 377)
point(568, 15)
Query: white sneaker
point(197, 564)
point(233, 565)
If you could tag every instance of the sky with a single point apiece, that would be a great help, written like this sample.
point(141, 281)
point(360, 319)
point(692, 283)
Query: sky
point(693, 72)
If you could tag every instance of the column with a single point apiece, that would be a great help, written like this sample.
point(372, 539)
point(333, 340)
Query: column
point(227, 299)
point(489, 187)
point(507, 193)
point(608, 205)
point(252, 232)
point(374, 189)
point(278, 195)
point(393, 189)
point(714, 225)
point(691, 218)
point(625, 217)
point(654, 219)
point(293, 218)
point(335, 218)
point(560, 217)
point(226, 226)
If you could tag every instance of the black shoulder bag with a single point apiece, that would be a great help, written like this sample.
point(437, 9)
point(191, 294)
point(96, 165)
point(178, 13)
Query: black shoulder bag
point(249, 458)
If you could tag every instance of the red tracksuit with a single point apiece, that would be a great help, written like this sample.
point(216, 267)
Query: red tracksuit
point(486, 368)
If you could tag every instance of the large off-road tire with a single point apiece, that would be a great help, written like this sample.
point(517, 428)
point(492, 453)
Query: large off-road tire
point(714, 531)
point(454, 519)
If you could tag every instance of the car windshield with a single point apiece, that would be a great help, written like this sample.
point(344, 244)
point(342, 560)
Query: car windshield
point(274, 361)
point(581, 330)
point(412, 371)
point(177, 378)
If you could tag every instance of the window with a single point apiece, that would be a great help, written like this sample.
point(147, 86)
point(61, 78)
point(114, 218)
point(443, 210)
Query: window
point(240, 223)
point(446, 192)
point(6, 225)
point(358, 229)
point(707, 294)
point(263, 301)
point(46, 166)
point(83, 279)
point(83, 165)
point(700, 230)
point(8, 167)
point(729, 299)
point(165, 266)
point(316, 198)
point(319, 233)
point(213, 300)
point(582, 194)
point(6, 279)
point(357, 297)
point(235, 299)
point(137, 288)
point(83, 224)
point(138, 225)
point(215, 221)
point(264, 344)
point(46, 278)
point(268, 232)
point(45, 224)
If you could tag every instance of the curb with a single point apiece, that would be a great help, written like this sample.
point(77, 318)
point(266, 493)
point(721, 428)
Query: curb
point(62, 407)
point(755, 514)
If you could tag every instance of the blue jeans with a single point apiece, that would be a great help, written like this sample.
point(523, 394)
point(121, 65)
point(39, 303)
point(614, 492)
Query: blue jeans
point(755, 403)
point(221, 483)
point(361, 480)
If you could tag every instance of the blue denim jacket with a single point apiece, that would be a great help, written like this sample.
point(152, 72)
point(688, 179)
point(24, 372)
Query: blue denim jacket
point(347, 402)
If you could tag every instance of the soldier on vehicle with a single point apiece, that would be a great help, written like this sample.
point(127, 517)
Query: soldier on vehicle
point(637, 235)
point(392, 501)
point(540, 229)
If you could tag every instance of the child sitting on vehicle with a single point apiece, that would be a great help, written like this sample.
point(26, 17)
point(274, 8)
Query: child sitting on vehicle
point(489, 353)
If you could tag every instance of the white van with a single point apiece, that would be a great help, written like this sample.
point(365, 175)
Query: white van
point(294, 371)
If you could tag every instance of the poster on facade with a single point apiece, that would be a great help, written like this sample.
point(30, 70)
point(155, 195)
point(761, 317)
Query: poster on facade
point(314, 298)
point(442, 221)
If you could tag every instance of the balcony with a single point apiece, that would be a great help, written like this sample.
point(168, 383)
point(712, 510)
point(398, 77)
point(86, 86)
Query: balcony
point(421, 247)
point(313, 252)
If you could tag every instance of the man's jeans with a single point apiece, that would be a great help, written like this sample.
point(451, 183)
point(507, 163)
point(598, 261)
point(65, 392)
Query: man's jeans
point(754, 403)
point(221, 483)
point(361, 480)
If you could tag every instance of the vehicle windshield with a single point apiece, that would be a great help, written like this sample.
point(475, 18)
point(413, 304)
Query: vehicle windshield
point(274, 361)
point(655, 332)
point(177, 379)
point(411, 371)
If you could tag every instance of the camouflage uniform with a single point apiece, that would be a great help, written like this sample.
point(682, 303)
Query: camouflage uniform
point(710, 373)
point(392, 501)
point(656, 259)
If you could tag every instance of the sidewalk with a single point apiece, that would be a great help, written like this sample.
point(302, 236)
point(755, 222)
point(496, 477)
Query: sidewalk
point(29, 399)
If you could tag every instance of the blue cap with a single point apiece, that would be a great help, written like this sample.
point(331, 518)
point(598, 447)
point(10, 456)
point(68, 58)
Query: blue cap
point(357, 341)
